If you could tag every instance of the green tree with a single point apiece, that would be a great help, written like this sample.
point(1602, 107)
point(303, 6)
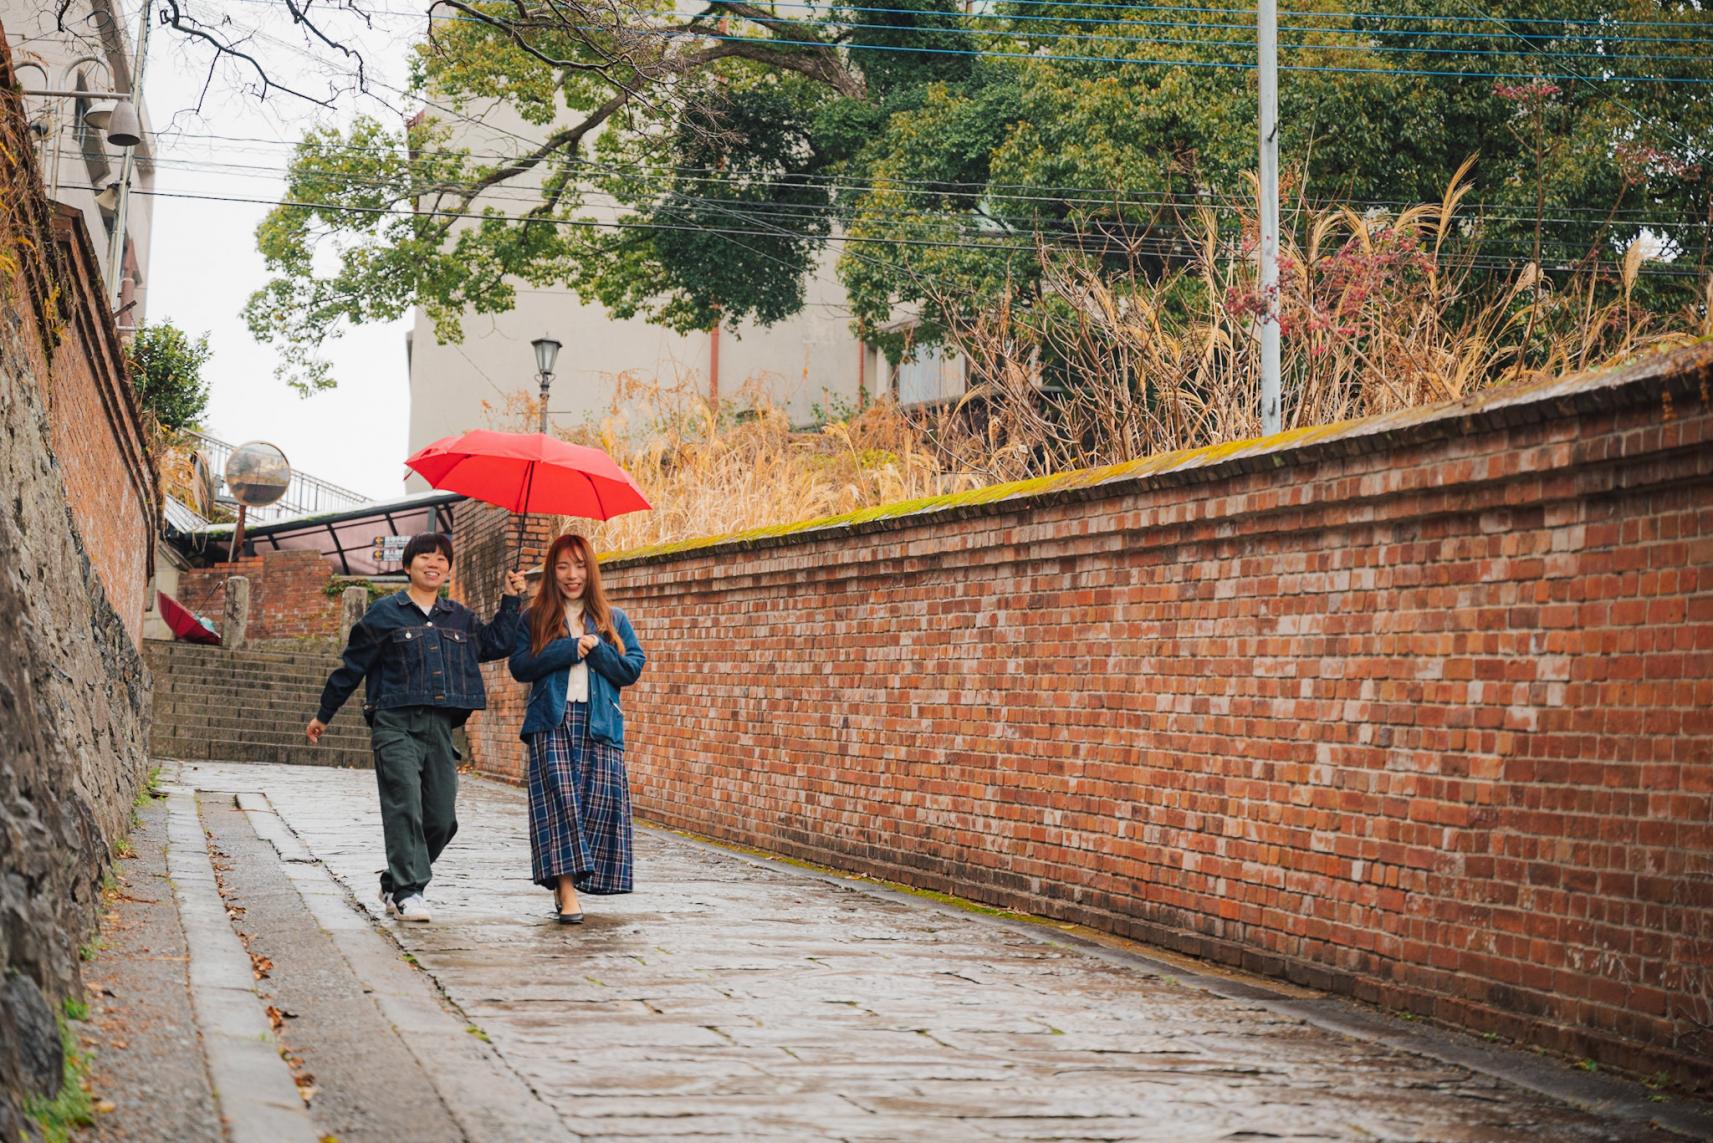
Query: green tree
point(691, 170)
point(166, 370)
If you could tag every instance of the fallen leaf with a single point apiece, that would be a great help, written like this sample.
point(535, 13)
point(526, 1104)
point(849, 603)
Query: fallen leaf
point(105, 1106)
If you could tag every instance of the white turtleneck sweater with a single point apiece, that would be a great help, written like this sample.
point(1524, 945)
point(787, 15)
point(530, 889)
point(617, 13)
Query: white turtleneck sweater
point(577, 688)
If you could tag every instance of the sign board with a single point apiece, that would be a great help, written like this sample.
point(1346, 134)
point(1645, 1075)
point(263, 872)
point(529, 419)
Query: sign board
point(390, 549)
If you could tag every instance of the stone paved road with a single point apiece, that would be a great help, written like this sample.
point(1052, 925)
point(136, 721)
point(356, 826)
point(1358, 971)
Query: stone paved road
point(731, 1000)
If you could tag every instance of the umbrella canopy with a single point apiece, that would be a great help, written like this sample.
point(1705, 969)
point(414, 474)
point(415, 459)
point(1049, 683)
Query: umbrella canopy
point(530, 473)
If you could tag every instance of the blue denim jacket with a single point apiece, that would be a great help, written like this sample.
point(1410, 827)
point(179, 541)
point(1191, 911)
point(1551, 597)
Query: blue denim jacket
point(549, 676)
point(412, 659)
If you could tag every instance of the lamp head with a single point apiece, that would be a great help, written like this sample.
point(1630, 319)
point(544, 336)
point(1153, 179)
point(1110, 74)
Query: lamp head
point(100, 113)
point(546, 353)
point(108, 198)
point(123, 127)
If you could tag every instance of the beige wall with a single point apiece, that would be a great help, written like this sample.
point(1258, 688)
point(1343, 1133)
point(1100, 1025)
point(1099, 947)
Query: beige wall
point(811, 359)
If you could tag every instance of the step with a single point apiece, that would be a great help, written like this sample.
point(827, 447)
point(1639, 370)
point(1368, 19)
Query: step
point(352, 730)
point(303, 755)
point(201, 708)
point(238, 669)
point(217, 655)
point(238, 696)
point(221, 746)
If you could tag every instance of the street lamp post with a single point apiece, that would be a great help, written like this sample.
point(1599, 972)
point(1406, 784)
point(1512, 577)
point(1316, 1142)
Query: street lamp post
point(546, 352)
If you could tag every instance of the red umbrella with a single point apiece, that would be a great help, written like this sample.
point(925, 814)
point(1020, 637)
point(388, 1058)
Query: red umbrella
point(530, 473)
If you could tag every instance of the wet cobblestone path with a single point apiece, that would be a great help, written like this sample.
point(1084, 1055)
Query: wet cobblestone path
point(732, 999)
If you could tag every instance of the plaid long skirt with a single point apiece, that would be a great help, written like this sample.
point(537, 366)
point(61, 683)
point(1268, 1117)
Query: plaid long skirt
point(579, 808)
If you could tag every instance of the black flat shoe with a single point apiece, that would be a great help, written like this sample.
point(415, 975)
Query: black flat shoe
point(569, 918)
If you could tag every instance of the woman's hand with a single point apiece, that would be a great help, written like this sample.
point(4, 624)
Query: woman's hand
point(585, 644)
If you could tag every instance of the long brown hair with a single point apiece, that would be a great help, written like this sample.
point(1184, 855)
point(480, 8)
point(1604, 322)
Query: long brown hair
point(547, 610)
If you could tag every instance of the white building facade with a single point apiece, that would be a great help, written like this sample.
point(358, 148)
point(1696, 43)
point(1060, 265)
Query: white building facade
point(89, 46)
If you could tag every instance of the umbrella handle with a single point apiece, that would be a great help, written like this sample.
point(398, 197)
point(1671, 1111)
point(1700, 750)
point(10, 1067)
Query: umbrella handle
point(522, 516)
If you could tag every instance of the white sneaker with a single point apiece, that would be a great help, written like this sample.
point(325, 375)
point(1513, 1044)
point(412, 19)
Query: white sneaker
point(387, 900)
point(413, 908)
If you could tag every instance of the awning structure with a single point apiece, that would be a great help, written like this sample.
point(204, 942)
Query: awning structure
point(345, 538)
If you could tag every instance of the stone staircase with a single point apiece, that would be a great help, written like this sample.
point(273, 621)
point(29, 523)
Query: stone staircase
point(249, 706)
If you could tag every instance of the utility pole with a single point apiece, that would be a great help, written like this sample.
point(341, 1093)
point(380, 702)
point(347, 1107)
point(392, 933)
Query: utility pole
point(116, 250)
point(1267, 45)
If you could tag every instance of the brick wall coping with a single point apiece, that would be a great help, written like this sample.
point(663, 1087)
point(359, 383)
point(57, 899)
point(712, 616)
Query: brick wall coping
point(1653, 376)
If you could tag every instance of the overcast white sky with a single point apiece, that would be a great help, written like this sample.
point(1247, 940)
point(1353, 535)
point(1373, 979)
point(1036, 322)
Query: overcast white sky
point(204, 263)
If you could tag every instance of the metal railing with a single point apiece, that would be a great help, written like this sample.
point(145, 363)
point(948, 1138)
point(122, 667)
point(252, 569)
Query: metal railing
point(305, 495)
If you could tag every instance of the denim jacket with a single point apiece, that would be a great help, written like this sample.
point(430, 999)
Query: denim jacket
point(549, 676)
point(412, 659)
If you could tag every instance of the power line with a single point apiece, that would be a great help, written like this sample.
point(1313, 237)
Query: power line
point(1044, 57)
point(1330, 13)
point(846, 238)
point(985, 245)
point(1106, 196)
point(1124, 60)
point(799, 211)
point(1193, 25)
point(1242, 45)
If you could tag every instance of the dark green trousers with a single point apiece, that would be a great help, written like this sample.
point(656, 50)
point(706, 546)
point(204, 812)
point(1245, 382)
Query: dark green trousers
point(417, 770)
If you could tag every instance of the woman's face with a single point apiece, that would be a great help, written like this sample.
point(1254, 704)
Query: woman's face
point(571, 573)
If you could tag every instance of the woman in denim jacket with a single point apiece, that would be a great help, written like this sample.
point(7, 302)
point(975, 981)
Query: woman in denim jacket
point(576, 650)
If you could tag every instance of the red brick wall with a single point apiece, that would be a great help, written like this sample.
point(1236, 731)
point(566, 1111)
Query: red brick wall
point(1418, 710)
point(288, 595)
point(485, 546)
point(97, 436)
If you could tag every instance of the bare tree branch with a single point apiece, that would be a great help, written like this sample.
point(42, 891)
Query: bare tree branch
point(180, 21)
point(820, 64)
point(302, 17)
point(514, 30)
point(560, 141)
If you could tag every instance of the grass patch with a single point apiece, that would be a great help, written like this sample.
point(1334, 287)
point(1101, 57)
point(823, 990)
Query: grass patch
point(73, 1107)
point(150, 791)
point(478, 1033)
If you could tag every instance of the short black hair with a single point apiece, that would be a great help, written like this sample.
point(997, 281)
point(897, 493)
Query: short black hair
point(428, 542)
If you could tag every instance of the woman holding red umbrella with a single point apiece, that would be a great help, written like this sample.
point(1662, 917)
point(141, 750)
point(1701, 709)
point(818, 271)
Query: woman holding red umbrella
point(576, 651)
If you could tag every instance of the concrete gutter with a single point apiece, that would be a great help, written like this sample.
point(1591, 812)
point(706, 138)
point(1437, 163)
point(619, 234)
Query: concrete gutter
point(253, 1086)
point(485, 1096)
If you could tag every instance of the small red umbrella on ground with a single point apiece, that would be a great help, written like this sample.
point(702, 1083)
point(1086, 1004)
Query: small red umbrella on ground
point(530, 473)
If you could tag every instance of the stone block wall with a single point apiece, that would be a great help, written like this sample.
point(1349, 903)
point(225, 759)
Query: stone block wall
point(1418, 709)
point(288, 595)
point(74, 691)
